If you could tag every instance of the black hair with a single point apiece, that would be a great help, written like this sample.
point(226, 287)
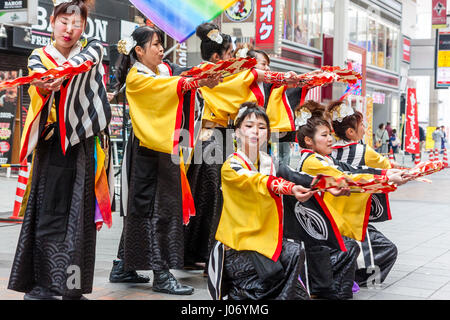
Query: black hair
point(252, 107)
point(67, 7)
point(352, 121)
point(252, 54)
point(208, 47)
point(141, 35)
point(318, 118)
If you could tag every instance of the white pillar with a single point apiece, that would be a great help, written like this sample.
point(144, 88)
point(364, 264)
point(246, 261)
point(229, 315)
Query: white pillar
point(340, 43)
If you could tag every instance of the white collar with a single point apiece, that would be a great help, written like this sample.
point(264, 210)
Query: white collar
point(162, 68)
point(59, 58)
point(265, 163)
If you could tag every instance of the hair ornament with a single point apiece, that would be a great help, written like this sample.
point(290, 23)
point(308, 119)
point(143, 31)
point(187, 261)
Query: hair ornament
point(342, 111)
point(240, 113)
point(124, 46)
point(302, 118)
point(215, 36)
point(242, 52)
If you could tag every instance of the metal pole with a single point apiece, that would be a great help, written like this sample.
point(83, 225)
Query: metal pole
point(170, 50)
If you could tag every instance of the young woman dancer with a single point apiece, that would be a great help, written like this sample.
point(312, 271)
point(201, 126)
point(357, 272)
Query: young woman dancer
point(55, 254)
point(218, 108)
point(250, 259)
point(377, 251)
point(334, 269)
point(152, 190)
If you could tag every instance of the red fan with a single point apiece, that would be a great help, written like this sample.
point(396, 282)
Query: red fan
point(426, 168)
point(324, 182)
point(65, 70)
point(327, 75)
point(226, 67)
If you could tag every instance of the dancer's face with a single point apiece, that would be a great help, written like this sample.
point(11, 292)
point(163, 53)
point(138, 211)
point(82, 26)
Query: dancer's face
point(152, 54)
point(358, 134)
point(262, 63)
point(322, 142)
point(67, 29)
point(252, 133)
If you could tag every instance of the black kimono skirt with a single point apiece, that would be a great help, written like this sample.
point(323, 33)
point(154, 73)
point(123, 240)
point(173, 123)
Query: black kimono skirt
point(56, 246)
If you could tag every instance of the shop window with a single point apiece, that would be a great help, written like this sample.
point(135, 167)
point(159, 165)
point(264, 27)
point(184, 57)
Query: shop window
point(353, 24)
point(372, 43)
point(381, 49)
point(328, 17)
point(301, 22)
point(315, 23)
point(391, 49)
point(286, 7)
point(361, 38)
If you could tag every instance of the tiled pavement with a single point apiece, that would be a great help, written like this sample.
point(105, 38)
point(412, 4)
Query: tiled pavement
point(420, 228)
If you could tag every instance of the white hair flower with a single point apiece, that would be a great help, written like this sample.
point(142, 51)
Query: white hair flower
point(215, 36)
point(124, 46)
point(342, 111)
point(303, 117)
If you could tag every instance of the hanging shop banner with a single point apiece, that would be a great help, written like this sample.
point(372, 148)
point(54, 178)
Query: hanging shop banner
point(442, 61)
point(265, 24)
point(412, 143)
point(8, 107)
point(439, 14)
point(406, 49)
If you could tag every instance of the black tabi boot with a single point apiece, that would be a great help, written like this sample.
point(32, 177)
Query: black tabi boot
point(165, 282)
point(41, 293)
point(118, 274)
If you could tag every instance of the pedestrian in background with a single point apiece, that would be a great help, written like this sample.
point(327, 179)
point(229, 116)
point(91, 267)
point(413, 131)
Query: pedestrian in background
point(444, 139)
point(381, 139)
point(394, 141)
point(437, 138)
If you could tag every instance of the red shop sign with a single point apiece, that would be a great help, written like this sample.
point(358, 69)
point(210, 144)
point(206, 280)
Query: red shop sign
point(406, 49)
point(439, 13)
point(265, 24)
point(412, 124)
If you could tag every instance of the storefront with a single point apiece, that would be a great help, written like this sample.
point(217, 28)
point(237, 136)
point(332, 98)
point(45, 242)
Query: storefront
point(375, 28)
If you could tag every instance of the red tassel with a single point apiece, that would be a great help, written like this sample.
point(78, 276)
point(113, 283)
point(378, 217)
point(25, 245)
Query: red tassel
point(187, 199)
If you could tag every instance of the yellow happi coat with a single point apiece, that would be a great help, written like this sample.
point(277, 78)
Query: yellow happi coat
point(350, 213)
point(252, 215)
point(156, 107)
point(224, 100)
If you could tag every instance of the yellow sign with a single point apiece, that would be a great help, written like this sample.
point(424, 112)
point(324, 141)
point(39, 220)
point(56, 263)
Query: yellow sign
point(444, 59)
point(369, 121)
point(429, 143)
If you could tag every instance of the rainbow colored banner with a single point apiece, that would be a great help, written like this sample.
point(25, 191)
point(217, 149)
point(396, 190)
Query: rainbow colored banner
point(180, 18)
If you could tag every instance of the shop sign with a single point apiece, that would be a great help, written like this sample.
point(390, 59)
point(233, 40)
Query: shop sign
point(240, 11)
point(412, 123)
point(8, 107)
point(265, 24)
point(439, 14)
point(442, 61)
point(406, 49)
